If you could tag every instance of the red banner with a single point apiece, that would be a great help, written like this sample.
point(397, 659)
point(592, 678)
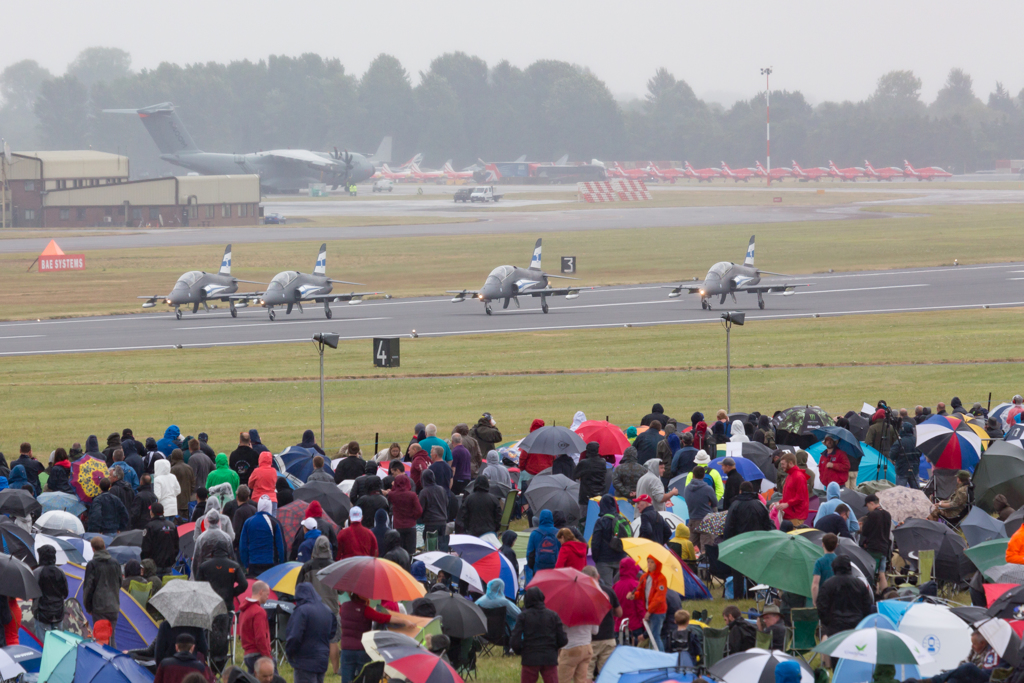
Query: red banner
point(52, 264)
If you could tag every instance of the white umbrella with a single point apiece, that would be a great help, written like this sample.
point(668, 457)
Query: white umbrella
point(756, 666)
point(58, 520)
point(941, 633)
point(437, 561)
point(673, 520)
point(43, 539)
point(875, 646)
point(1001, 637)
point(9, 668)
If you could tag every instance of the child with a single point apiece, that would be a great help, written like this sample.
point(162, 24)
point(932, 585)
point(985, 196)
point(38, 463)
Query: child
point(687, 638)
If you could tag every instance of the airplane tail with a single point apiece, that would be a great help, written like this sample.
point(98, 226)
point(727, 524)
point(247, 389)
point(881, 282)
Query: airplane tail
point(321, 261)
point(749, 260)
point(383, 153)
point(535, 261)
point(225, 263)
point(384, 167)
point(164, 126)
point(447, 168)
point(688, 167)
point(563, 160)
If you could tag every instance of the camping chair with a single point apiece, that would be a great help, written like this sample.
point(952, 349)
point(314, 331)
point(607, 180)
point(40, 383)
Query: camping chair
point(804, 632)
point(464, 659)
point(372, 672)
point(140, 591)
point(763, 640)
point(715, 640)
point(173, 577)
point(430, 541)
point(925, 565)
point(506, 513)
point(497, 630)
point(432, 628)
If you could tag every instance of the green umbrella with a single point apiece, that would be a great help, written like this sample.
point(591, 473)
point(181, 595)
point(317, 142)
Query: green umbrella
point(773, 558)
point(875, 646)
point(988, 554)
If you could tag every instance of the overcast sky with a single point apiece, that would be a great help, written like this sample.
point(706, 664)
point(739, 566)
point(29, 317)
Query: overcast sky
point(827, 50)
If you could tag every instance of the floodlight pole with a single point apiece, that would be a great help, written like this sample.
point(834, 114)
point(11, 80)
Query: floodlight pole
point(728, 371)
point(768, 119)
point(320, 348)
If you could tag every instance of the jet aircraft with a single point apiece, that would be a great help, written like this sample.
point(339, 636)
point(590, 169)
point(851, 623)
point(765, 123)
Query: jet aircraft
point(509, 282)
point(805, 174)
point(928, 173)
point(199, 287)
point(670, 174)
point(880, 174)
point(844, 174)
point(738, 174)
point(291, 288)
point(777, 173)
point(727, 278)
point(701, 174)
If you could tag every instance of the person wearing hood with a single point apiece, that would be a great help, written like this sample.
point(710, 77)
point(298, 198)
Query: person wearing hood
point(261, 544)
point(653, 588)
point(171, 440)
point(880, 435)
point(107, 514)
point(254, 627)
point(18, 477)
point(683, 458)
point(701, 501)
point(226, 577)
point(406, 509)
point(1002, 508)
point(392, 550)
point(647, 443)
point(160, 541)
point(213, 536)
point(152, 456)
point(681, 545)
point(92, 447)
point(957, 406)
point(59, 480)
point(508, 541)
point(165, 486)
point(113, 443)
point(357, 617)
point(764, 432)
point(32, 467)
point(132, 456)
point(495, 472)
point(626, 474)
point(327, 529)
point(794, 504)
point(263, 480)
point(102, 585)
point(143, 503)
point(590, 473)
point(834, 463)
point(532, 464)
point(572, 553)
point(48, 608)
point(651, 485)
point(480, 512)
point(486, 433)
point(632, 608)
point(200, 463)
point(223, 474)
point(380, 526)
point(372, 500)
point(311, 628)
point(543, 545)
point(738, 435)
point(494, 597)
point(832, 501)
point(244, 459)
point(906, 457)
point(256, 443)
point(537, 637)
point(322, 556)
point(788, 671)
point(564, 465)
point(606, 539)
point(657, 413)
point(213, 503)
point(186, 482)
point(434, 504)
point(355, 539)
point(843, 600)
point(309, 442)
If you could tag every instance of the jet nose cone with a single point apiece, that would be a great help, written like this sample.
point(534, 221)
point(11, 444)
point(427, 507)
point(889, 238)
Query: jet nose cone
point(490, 292)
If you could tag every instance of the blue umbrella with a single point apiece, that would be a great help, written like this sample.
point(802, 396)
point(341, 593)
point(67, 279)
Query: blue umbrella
point(747, 469)
point(91, 662)
point(61, 501)
point(298, 462)
point(845, 439)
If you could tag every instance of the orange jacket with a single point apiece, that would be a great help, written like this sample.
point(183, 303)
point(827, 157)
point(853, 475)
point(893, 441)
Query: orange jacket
point(1015, 549)
point(653, 587)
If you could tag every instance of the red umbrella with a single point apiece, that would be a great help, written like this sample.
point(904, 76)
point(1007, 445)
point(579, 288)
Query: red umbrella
point(609, 437)
point(372, 578)
point(574, 596)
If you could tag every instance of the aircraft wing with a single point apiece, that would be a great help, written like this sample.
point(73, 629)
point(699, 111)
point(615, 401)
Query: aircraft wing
point(155, 297)
point(771, 289)
point(678, 289)
point(303, 156)
point(571, 292)
point(351, 297)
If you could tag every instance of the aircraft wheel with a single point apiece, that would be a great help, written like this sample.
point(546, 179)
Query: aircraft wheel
point(177, 314)
point(328, 313)
point(234, 313)
point(272, 314)
point(760, 304)
point(487, 308)
point(544, 306)
point(703, 304)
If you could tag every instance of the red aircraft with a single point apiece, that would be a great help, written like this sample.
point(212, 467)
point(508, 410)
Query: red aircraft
point(928, 173)
point(804, 175)
point(880, 174)
point(844, 174)
point(701, 174)
point(744, 174)
point(669, 174)
point(777, 173)
point(450, 172)
point(630, 173)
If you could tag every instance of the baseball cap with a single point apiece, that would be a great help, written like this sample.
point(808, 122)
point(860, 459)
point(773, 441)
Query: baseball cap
point(355, 514)
point(309, 523)
point(643, 499)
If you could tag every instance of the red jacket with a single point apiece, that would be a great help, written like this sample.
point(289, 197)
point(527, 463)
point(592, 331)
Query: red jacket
point(839, 473)
point(535, 463)
point(794, 494)
point(405, 505)
point(263, 479)
point(572, 554)
point(420, 462)
point(653, 587)
point(11, 629)
point(254, 630)
point(355, 540)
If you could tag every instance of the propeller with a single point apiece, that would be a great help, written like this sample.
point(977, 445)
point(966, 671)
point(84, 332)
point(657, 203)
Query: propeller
point(346, 158)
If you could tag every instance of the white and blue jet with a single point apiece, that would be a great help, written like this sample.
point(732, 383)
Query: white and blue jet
point(508, 283)
point(198, 287)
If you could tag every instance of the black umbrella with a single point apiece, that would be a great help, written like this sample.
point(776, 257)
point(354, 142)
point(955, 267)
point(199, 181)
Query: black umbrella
point(20, 503)
point(1000, 471)
point(17, 542)
point(761, 456)
point(460, 618)
point(554, 492)
point(553, 441)
point(497, 489)
point(796, 425)
point(915, 535)
point(970, 613)
point(855, 501)
point(1007, 604)
point(133, 537)
point(860, 557)
point(335, 503)
point(16, 579)
point(1014, 521)
point(742, 417)
point(858, 424)
point(979, 526)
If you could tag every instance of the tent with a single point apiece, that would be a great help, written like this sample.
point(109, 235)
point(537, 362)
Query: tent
point(625, 661)
point(56, 645)
point(88, 661)
point(135, 629)
point(695, 588)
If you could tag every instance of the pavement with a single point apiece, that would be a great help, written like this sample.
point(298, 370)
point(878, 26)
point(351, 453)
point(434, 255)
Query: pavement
point(894, 291)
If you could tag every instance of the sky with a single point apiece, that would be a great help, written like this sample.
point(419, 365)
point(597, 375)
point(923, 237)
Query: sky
point(829, 51)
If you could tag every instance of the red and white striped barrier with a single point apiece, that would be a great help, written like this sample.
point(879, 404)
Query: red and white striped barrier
point(617, 190)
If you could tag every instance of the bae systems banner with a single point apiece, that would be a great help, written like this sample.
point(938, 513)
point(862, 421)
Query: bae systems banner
point(51, 264)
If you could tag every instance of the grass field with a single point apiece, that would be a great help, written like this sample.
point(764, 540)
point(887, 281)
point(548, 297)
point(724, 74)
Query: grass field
point(428, 265)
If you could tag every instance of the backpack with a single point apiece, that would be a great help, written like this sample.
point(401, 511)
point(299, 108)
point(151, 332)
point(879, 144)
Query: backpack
point(620, 529)
point(547, 553)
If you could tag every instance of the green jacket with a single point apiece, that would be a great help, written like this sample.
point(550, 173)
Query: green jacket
point(222, 474)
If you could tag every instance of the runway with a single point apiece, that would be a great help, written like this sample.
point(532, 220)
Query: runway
point(929, 289)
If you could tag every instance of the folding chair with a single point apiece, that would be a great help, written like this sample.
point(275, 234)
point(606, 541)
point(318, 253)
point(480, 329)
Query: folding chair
point(140, 591)
point(763, 640)
point(506, 513)
point(715, 640)
point(430, 541)
point(432, 628)
point(173, 577)
point(372, 672)
point(464, 661)
point(497, 630)
point(804, 632)
point(925, 566)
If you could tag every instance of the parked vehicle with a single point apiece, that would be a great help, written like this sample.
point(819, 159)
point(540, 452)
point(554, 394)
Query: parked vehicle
point(484, 193)
point(383, 185)
point(274, 219)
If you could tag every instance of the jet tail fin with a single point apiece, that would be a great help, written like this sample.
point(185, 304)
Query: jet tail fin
point(225, 263)
point(164, 126)
point(563, 160)
point(535, 261)
point(321, 261)
point(383, 153)
point(749, 260)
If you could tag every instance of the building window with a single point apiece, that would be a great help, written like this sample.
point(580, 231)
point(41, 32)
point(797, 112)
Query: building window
point(209, 211)
point(30, 186)
point(30, 214)
point(81, 214)
point(136, 214)
point(65, 214)
point(154, 214)
point(225, 211)
point(193, 211)
point(62, 184)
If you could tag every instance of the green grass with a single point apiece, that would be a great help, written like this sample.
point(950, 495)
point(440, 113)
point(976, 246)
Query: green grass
point(429, 265)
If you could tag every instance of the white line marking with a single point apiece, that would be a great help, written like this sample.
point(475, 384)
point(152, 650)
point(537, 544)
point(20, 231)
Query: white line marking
point(281, 323)
point(25, 336)
point(856, 289)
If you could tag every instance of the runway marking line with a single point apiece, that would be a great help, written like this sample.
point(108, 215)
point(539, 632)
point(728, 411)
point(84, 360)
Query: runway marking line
point(279, 324)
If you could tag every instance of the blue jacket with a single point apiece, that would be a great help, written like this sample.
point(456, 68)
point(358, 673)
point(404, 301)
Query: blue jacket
point(832, 502)
point(543, 546)
point(170, 441)
point(310, 629)
point(682, 461)
point(108, 515)
point(131, 477)
point(306, 547)
point(258, 544)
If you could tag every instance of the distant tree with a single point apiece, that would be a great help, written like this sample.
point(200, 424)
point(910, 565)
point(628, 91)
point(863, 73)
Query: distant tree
point(1001, 101)
point(100, 65)
point(439, 116)
point(63, 113)
point(898, 93)
point(467, 77)
point(957, 96)
point(19, 88)
point(509, 135)
point(388, 106)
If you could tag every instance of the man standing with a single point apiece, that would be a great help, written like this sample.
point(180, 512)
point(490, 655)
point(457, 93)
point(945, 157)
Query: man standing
point(486, 433)
point(261, 543)
point(242, 510)
point(101, 589)
point(142, 505)
point(200, 462)
point(603, 642)
point(351, 466)
point(880, 436)
point(823, 565)
point(428, 443)
point(843, 600)
point(647, 443)
point(308, 638)
point(627, 474)
point(160, 541)
point(733, 479)
point(537, 637)
point(742, 634)
point(183, 663)
point(606, 540)
point(652, 526)
point(683, 459)
point(186, 477)
point(480, 512)
point(441, 469)
point(591, 473)
point(794, 505)
point(747, 513)
point(48, 608)
point(874, 537)
point(243, 459)
point(253, 626)
point(700, 501)
point(33, 468)
point(107, 514)
point(355, 539)
point(226, 577)
point(434, 502)
point(462, 462)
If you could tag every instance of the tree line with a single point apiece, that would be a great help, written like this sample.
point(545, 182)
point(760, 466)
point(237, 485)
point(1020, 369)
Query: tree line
point(463, 109)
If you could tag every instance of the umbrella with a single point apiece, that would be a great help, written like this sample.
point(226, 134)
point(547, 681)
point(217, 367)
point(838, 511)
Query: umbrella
point(713, 524)
point(553, 441)
point(90, 661)
point(135, 628)
point(19, 503)
point(1015, 435)
point(875, 646)
point(575, 597)
point(125, 538)
point(747, 469)
point(16, 579)
point(610, 439)
point(757, 453)
point(66, 552)
point(847, 442)
point(59, 522)
point(795, 426)
point(554, 492)
point(86, 473)
point(335, 503)
point(641, 548)
point(496, 489)
point(1014, 521)
point(17, 542)
point(291, 515)
point(673, 520)
point(773, 558)
point(858, 424)
point(948, 443)
point(481, 555)
point(81, 546)
point(855, 501)
point(810, 533)
point(1001, 637)
point(941, 633)
point(61, 501)
point(405, 659)
point(904, 503)
point(1006, 573)
point(187, 539)
point(1001, 471)
point(10, 669)
point(282, 577)
point(916, 535)
point(756, 666)
point(298, 462)
point(188, 603)
point(1007, 605)
point(460, 618)
point(970, 613)
point(29, 657)
point(979, 526)
point(437, 561)
point(988, 554)
point(372, 578)
point(858, 556)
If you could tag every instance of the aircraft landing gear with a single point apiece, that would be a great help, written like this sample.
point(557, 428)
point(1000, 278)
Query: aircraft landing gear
point(487, 309)
point(543, 304)
point(705, 304)
point(234, 311)
point(177, 313)
point(271, 314)
point(760, 301)
point(327, 310)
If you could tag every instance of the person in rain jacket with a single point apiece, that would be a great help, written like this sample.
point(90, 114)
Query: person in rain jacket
point(160, 541)
point(572, 553)
point(186, 482)
point(309, 442)
point(171, 440)
point(607, 552)
point(647, 443)
point(406, 509)
point(590, 473)
point(223, 474)
point(226, 577)
point(209, 539)
point(711, 476)
point(533, 464)
point(537, 637)
point(107, 514)
point(651, 485)
point(151, 457)
point(632, 608)
point(102, 585)
point(48, 608)
point(906, 457)
point(261, 544)
point(832, 501)
point(263, 480)
point(322, 556)
point(834, 464)
point(794, 492)
point(165, 486)
point(843, 600)
point(788, 671)
point(681, 545)
point(60, 473)
point(543, 546)
point(18, 477)
point(480, 512)
point(1015, 548)
point(308, 638)
point(738, 435)
point(626, 474)
point(486, 433)
point(653, 588)
point(564, 465)
point(304, 551)
point(495, 472)
point(356, 540)
point(508, 540)
point(495, 597)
